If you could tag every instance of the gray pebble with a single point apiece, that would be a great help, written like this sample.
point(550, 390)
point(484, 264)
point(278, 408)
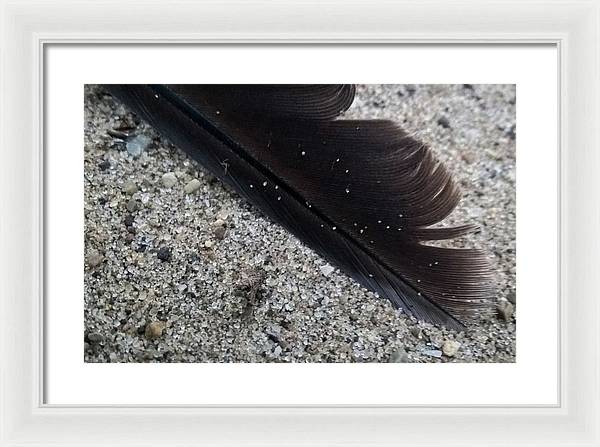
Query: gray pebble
point(138, 144)
point(132, 205)
point(220, 232)
point(505, 310)
point(169, 180)
point(95, 337)
point(104, 165)
point(450, 348)
point(154, 330)
point(512, 297)
point(130, 188)
point(129, 220)
point(115, 133)
point(416, 332)
point(219, 229)
point(468, 157)
point(326, 269)
point(511, 132)
point(399, 356)
point(433, 352)
point(192, 186)
point(94, 258)
point(443, 121)
point(164, 254)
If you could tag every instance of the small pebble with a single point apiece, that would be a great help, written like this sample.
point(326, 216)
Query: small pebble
point(130, 188)
point(326, 269)
point(117, 134)
point(443, 121)
point(208, 244)
point(512, 297)
point(129, 219)
point(169, 180)
point(95, 337)
point(399, 356)
point(505, 310)
point(223, 214)
point(154, 330)
point(192, 186)
point(164, 254)
point(416, 332)
point(512, 132)
point(450, 348)
point(433, 353)
point(132, 205)
point(104, 165)
point(220, 232)
point(468, 157)
point(138, 144)
point(94, 258)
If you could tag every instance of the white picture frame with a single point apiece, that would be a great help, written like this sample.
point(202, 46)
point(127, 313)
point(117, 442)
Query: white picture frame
point(28, 26)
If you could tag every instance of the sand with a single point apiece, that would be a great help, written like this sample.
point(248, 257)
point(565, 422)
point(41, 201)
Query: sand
point(180, 269)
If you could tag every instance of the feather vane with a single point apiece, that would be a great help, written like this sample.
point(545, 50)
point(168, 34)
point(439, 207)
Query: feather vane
point(362, 193)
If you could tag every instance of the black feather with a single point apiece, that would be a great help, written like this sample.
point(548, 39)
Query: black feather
point(362, 193)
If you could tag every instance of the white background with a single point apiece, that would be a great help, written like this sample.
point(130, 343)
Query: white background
point(533, 379)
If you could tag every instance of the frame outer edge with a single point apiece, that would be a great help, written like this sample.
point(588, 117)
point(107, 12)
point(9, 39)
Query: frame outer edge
point(19, 222)
point(23, 422)
point(581, 221)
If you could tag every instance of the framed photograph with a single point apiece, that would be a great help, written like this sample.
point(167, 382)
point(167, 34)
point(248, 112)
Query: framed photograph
point(316, 224)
